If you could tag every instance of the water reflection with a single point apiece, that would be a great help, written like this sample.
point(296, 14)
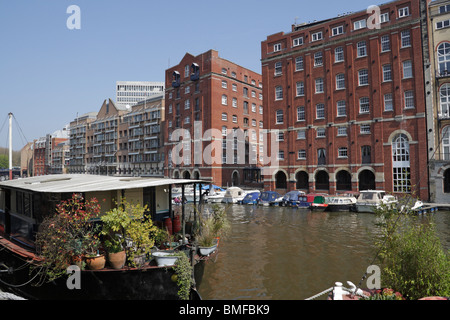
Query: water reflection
point(289, 254)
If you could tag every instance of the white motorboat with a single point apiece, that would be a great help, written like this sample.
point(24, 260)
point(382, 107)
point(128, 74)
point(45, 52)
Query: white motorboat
point(369, 200)
point(235, 195)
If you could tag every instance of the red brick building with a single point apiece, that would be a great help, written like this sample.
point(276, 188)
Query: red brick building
point(216, 107)
point(348, 96)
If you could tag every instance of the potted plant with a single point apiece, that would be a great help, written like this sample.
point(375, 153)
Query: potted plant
point(66, 236)
point(139, 234)
point(212, 228)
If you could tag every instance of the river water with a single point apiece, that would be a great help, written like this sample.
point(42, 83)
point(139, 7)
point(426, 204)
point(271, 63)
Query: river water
point(281, 253)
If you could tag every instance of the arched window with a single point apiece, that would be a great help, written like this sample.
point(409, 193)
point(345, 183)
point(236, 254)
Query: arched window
point(444, 105)
point(280, 180)
point(443, 55)
point(401, 164)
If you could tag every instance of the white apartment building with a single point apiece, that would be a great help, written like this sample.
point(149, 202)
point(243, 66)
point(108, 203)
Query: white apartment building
point(132, 92)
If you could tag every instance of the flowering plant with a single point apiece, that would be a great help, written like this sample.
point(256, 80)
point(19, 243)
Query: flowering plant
point(386, 294)
point(69, 233)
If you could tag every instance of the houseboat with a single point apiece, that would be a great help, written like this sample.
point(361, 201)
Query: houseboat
point(24, 203)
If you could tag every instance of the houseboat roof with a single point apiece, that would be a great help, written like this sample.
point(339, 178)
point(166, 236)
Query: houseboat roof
point(69, 183)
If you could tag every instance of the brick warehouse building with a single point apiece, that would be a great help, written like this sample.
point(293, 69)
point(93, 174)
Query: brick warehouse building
point(217, 94)
point(349, 99)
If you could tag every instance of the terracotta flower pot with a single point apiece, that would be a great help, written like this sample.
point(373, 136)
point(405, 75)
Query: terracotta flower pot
point(95, 263)
point(117, 260)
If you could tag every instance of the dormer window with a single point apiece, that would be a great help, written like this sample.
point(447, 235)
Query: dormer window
point(175, 79)
point(195, 75)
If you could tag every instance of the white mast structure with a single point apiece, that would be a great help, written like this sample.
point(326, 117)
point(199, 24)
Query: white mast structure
point(10, 145)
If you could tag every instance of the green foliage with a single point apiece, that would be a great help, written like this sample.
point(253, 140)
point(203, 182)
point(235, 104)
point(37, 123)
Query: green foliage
point(183, 270)
point(414, 261)
point(214, 226)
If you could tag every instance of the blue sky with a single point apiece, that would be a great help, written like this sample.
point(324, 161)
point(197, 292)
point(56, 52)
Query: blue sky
point(49, 73)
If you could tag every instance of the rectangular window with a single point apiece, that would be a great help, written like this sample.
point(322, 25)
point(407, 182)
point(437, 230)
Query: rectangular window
point(405, 38)
point(342, 152)
point(342, 131)
point(409, 99)
point(224, 84)
point(279, 93)
point(224, 117)
point(365, 129)
point(384, 17)
point(234, 102)
point(407, 69)
point(320, 111)
point(281, 155)
point(359, 24)
point(279, 116)
point(444, 9)
point(364, 105)
point(297, 42)
point(316, 36)
point(442, 24)
point(388, 104)
point(338, 54)
point(337, 31)
point(319, 85)
point(363, 77)
point(277, 47)
point(318, 60)
point(361, 49)
point(298, 63)
point(341, 110)
point(300, 89)
point(403, 12)
point(278, 69)
point(301, 155)
point(387, 74)
point(340, 81)
point(321, 132)
point(301, 134)
point(300, 113)
point(385, 43)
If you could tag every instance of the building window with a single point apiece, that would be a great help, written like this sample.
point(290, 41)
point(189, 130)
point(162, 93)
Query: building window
point(224, 131)
point(364, 129)
point(280, 155)
point(384, 17)
point(301, 134)
point(318, 59)
point(444, 105)
point(186, 71)
point(363, 77)
point(298, 63)
point(364, 105)
point(234, 102)
point(342, 152)
point(301, 155)
point(253, 123)
point(442, 24)
point(260, 109)
point(388, 103)
point(319, 85)
point(401, 164)
point(316, 36)
point(224, 117)
point(403, 12)
point(234, 119)
point(338, 54)
point(321, 156)
point(280, 136)
point(359, 24)
point(224, 85)
point(224, 71)
point(320, 111)
point(405, 38)
point(278, 68)
point(279, 93)
point(234, 87)
point(340, 81)
point(279, 116)
point(444, 9)
point(337, 31)
point(361, 49)
point(342, 131)
point(245, 92)
point(446, 143)
point(253, 107)
point(187, 104)
point(245, 107)
point(321, 133)
point(387, 74)
point(407, 69)
point(297, 41)
point(224, 100)
point(443, 55)
point(341, 110)
point(300, 89)
point(409, 99)
point(365, 154)
point(385, 43)
point(301, 113)
point(277, 47)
